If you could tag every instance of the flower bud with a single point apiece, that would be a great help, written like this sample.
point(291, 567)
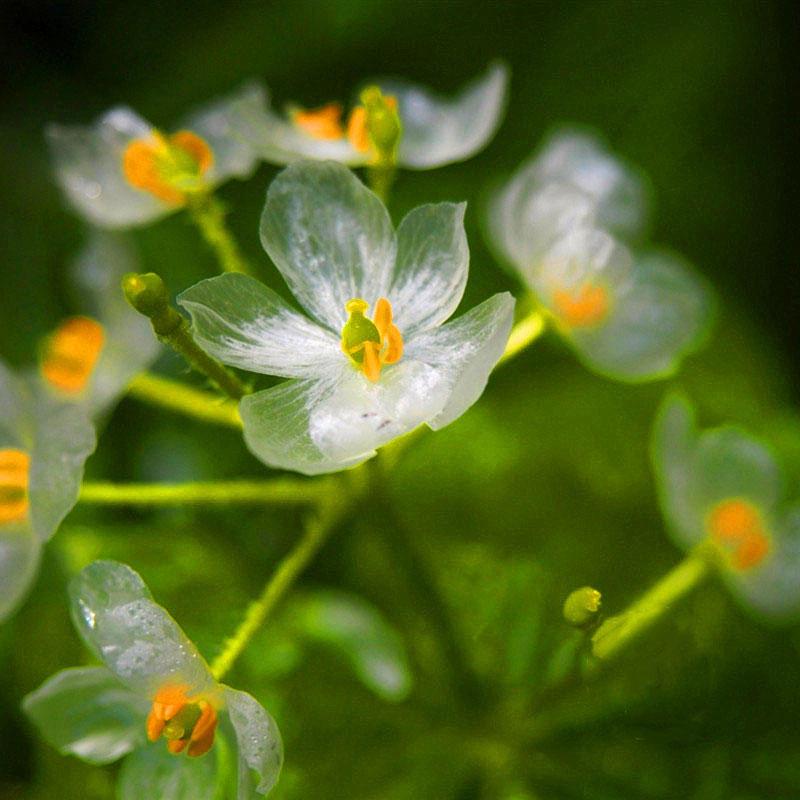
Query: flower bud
point(581, 606)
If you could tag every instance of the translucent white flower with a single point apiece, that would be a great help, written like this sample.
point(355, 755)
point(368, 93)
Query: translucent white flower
point(630, 316)
point(724, 488)
point(121, 171)
point(356, 383)
point(154, 686)
point(435, 130)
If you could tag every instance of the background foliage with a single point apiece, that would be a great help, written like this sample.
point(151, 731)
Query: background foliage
point(542, 487)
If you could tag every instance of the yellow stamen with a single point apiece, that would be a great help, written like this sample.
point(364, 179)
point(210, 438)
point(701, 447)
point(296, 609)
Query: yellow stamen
point(14, 472)
point(371, 344)
point(737, 529)
point(183, 721)
point(71, 353)
point(324, 122)
point(582, 308)
point(161, 165)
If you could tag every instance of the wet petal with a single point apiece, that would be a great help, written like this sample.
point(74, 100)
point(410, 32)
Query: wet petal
point(432, 266)
point(328, 425)
point(19, 562)
point(136, 638)
point(330, 237)
point(245, 324)
point(88, 164)
point(259, 745)
point(86, 712)
point(464, 352)
point(439, 130)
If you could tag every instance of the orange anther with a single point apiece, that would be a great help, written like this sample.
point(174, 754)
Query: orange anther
point(391, 337)
point(175, 746)
point(357, 133)
point(195, 146)
point(324, 122)
point(70, 354)
point(738, 530)
point(14, 472)
point(371, 366)
point(195, 721)
point(582, 308)
point(371, 343)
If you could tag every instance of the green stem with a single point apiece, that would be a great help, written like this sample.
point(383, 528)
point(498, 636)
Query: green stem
point(524, 333)
point(184, 399)
point(380, 180)
point(208, 214)
point(317, 530)
point(616, 632)
point(148, 294)
point(283, 492)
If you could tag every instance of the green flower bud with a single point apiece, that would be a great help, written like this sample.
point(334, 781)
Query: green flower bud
point(581, 606)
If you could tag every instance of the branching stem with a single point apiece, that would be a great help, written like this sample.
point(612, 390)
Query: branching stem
point(208, 214)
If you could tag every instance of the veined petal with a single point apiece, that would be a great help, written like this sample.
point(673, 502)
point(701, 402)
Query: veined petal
point(330, 237)
point(153, 772)
point(331, 424)
point(432, 266)
point(245, 324)
point(259, 745)
point(218, 124)
point(86, 712)
point(135, 637)
point(88, 164)
point(439, 130)
point(130, 346)
point(464, 351)
point(277, 140)
point(19, 562)
point(658, 315)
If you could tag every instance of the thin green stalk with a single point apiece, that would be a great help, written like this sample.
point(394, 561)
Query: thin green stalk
point(208, 214)
point(148, 294)
point(282, 491)
point(381, 179)
point(524, 333)
point(176, 396)
point(616, 632)
point(316, 532)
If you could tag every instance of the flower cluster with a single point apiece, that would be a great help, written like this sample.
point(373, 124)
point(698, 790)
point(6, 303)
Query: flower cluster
point(562, 222)
point(155, 700)
point(722, 489)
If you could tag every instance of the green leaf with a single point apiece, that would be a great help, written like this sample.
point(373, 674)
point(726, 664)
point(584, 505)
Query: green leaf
point(88, 713)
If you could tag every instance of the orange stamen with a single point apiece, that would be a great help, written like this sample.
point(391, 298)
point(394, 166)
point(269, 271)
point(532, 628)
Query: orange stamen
point(357, 133)
point(14, 472)
point(738, 530)
point(391, 337)
point(371, 366)
point(144, 162)
point(371, 343)
point(324, 122)
point(170, 701)
point(71, 353)
point(584, 308)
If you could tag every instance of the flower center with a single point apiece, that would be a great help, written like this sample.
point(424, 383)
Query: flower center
point(70, 354)
point(369, 344)
point(583, 307)
point(169, 167)
point(185, 723)
point(738, 531)
point(14, 471)
point(373, 125)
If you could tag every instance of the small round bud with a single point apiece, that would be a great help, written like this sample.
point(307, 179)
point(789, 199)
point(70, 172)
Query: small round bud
point(581, 606)
point(146, 292)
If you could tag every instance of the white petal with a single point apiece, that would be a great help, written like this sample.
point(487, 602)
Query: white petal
point(329, 425)
point(245, 324)
point(259, 745)
point(20, 549)
point(330, 237)
point(88, 163)
point(217, 123)
point(439, 130)
point(277, 140)
point(465, 351)
point(432, 267)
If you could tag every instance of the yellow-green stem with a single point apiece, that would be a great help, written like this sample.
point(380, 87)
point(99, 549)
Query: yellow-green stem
point(208, 214)
point(524, 333)
point(616, 632)
point(282, 491)
point(176, 396)
point(317, 530)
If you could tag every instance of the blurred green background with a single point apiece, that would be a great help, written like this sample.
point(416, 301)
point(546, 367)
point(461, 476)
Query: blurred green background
point(542, 487)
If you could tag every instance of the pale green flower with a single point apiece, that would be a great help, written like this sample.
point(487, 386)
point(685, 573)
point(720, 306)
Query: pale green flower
point(723, 489)
point(629, 315)
point(355, 383)
point(121, 171)
point(434, 130)
point(154, 686)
